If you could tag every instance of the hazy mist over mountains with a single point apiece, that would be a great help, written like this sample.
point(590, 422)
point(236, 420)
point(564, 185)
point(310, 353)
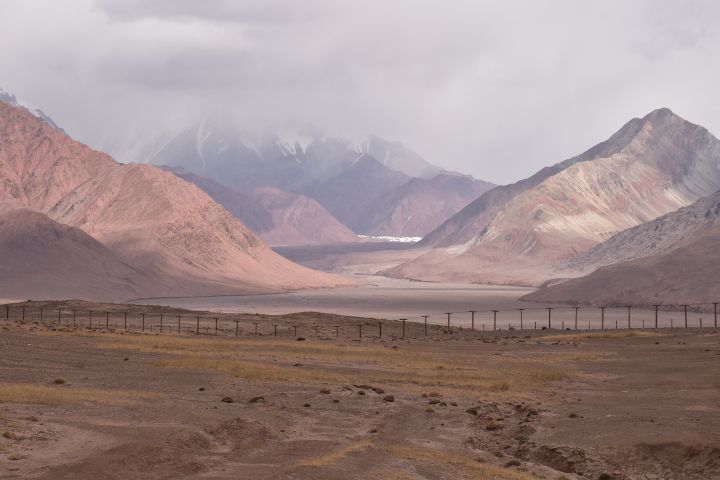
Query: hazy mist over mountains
point(493, 89)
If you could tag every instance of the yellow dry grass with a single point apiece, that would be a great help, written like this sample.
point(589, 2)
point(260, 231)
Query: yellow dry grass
point(337, 455)
point(406, 369)
point(577, 337)
point(462, 466)
point(271, 360)
point(43, 394)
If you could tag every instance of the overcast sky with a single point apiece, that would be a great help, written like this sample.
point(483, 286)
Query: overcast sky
point(497, 89)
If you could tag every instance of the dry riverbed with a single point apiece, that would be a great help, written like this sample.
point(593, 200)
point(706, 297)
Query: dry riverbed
point(87, 404)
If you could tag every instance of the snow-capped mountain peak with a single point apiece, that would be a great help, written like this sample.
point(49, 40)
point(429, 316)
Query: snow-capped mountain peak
point(7, 97)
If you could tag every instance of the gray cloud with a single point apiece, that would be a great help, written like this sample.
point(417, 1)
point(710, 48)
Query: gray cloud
point(493, 88)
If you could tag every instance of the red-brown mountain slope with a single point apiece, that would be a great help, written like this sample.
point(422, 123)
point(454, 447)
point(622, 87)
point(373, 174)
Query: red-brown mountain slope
point(149, 216)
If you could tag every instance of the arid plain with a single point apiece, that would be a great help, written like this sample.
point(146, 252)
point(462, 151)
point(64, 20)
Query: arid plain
point(316, 401)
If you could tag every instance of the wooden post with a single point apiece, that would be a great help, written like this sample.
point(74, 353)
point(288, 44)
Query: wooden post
point(74, 317)
point(41, 314)
point(425, 317)
point(337, 330)
point(521, 317)
point(143, 321)
point(686, 323)
point(295, 329)
point(178, 323)
point(549, 309)
point(161, 323)
point(656, 315)
point(360, 331)
point(59, 314)
point(125, 320)
point(602, 318)
point(216, 326)
point(7, 312)
point(629, 307)
point(275, 330)
point(715, 312)
point(237, 328)
point(403, 327)
point(448, 314)
point(255, 323)
point(90, 314)
point(576, 317)
point(494, 312)
point(23, 313)
point(107, 319)
point(380, 328)
point(472, 319)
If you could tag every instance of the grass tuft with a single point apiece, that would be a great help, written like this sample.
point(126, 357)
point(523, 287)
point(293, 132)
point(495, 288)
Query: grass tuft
point(337, 455)
point(463, 467)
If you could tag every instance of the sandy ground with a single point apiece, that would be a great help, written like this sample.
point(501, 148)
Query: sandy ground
point(375, 296)
point(359, 258)
point(455, 404)
point(387, 298)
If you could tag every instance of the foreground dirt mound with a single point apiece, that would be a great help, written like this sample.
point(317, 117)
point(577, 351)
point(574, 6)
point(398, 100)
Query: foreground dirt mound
point(50, 260)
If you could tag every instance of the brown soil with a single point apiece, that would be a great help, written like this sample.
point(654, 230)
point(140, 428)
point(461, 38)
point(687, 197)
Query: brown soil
point(464, 405)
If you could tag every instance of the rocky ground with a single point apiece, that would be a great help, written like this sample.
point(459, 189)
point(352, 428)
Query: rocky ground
point(106, 403)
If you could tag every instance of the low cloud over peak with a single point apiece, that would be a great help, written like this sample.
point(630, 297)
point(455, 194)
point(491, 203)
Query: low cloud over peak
point(496, 89)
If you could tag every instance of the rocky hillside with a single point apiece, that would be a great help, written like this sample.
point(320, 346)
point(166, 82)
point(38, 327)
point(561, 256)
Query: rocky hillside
point(279, 218)
point(663, 163)
point(689, 273)
point(299, 220)
point(466, 224)
point(654, 237)
point(348, 194)
point(419, 206)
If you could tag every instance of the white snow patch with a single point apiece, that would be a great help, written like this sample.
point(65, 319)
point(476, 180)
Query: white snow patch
point(389, 238)
point(9, 98)
point(293, 143)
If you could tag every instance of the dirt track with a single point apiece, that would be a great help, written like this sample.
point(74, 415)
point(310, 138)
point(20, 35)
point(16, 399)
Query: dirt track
point(463, 405)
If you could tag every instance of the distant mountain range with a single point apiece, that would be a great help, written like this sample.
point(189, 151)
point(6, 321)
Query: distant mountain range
point(419, 205)
point(279, 218)
point(355, 180)
point(637, 214)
